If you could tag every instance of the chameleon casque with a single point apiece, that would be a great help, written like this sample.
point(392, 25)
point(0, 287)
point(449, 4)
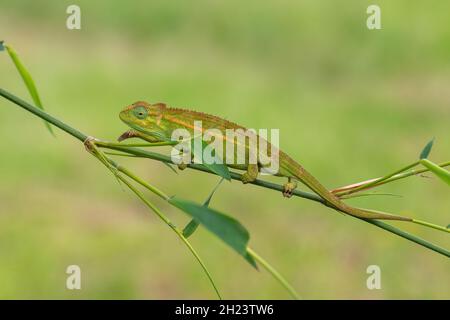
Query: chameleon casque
point(155, 123)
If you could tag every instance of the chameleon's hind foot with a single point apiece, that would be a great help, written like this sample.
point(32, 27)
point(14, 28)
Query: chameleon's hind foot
point(246, 178)
point(251, 174)
point(182, 166)
point(289, 188)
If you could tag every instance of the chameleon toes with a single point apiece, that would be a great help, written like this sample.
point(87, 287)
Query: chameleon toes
point(246, 178)
point(182, 166)
point(126, 135)
point(251, 174)
point(289, 188)
point(287, 193)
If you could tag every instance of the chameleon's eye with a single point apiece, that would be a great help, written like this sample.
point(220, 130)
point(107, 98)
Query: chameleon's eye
point(140, 112)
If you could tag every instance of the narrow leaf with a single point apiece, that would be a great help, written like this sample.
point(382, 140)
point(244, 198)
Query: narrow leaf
point(426, 151)
point(28, 80)
point(223, 226)
point(193, 225)
point(369, 195)
point(190, 228)
point(437, 170)
point(208, 200)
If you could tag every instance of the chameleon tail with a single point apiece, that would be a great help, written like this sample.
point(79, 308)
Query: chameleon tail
point(333, 201)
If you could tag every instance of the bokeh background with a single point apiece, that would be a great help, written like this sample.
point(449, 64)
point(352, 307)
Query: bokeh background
point(350, 103)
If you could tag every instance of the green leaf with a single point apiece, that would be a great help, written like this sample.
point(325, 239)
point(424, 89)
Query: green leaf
point(426, 151)
point(190, 228)
point(437, 170)
point(223, 226)
point(2, 47)
point(193, 225)
point(28, 80)
point(208, 200)
point(218, 166)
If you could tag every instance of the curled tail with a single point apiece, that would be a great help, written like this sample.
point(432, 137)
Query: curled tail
point(331, 200)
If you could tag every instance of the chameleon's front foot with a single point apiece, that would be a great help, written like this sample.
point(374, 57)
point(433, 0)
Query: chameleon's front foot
point(89, 144)
point(289, 188)
point(136, 134)
point(127, 135)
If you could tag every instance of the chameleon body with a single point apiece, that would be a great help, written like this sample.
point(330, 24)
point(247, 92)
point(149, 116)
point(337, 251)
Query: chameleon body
point(156, 122)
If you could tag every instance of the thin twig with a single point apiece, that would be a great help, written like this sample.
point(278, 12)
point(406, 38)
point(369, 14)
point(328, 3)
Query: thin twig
point(339, 191)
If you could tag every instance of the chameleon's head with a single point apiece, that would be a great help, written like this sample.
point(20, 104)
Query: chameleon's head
point(142, 115)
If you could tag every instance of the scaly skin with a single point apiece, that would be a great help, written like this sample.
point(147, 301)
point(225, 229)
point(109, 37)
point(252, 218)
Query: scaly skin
point(155, 122)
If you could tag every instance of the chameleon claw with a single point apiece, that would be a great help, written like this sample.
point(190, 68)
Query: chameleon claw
point(251, 174)
point(247, 178)
point(126, 135)
point(289, 188)
point(89, 142)
point(182, 166)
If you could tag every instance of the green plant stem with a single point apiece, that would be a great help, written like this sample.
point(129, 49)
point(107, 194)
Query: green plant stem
point(133, 145)
point(409, 236)
point(142, 182)
point(274, 273)
point(82, 137)
point(431, 225)
point(43, 115)
point(350, 196)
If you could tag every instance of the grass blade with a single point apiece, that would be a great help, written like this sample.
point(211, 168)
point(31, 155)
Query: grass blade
point(193, 224)
point(274, 273)
point(208, 200)
point(190, 228)
point(443, 174)
point(28, 80)
point(426, 151)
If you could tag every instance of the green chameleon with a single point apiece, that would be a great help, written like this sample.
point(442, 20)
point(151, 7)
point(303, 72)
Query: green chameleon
point(155, 123)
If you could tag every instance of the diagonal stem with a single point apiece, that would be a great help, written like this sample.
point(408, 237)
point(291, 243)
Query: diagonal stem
point(274, 273)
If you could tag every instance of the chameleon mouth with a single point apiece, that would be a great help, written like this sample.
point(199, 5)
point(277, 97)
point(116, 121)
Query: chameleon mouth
point(155, 134)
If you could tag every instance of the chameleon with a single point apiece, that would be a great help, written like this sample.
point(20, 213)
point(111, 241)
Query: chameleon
point(156, 122)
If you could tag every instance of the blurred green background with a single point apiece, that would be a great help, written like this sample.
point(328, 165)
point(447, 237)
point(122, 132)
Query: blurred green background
point(350, 103)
